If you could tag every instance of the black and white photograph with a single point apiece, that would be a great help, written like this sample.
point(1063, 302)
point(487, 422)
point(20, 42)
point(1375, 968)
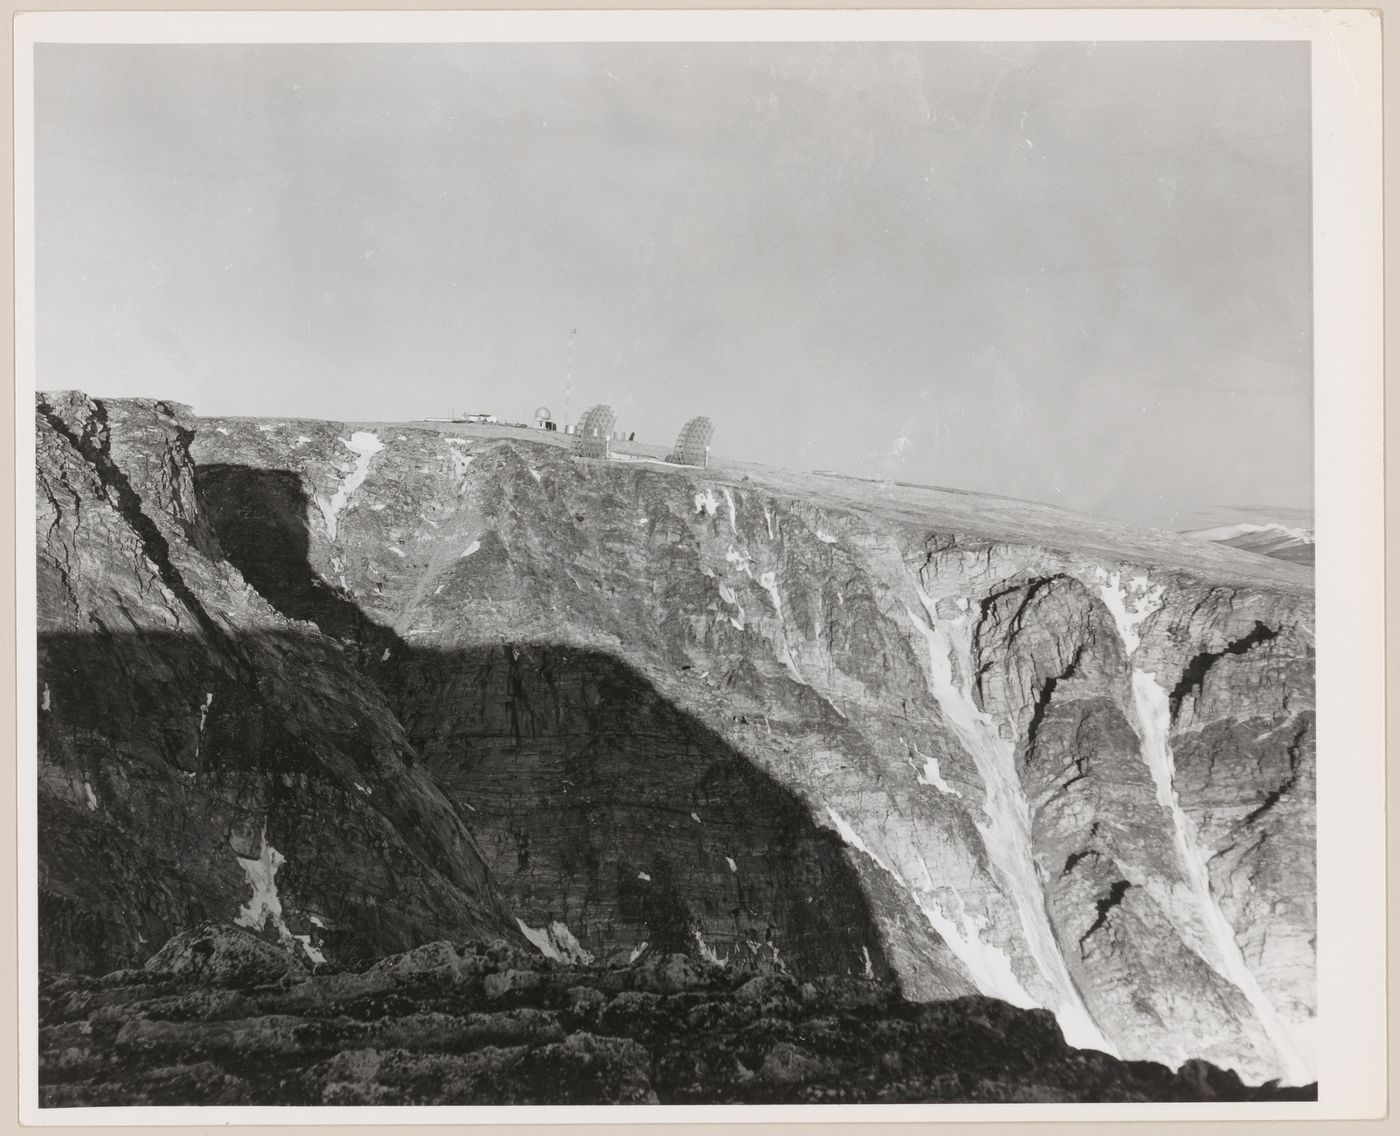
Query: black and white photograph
point(643, 568)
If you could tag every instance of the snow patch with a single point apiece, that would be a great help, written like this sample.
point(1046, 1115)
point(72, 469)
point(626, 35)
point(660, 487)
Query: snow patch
point(1129, 605)
point(733, 867)
point(475, 546)
point(852, 837)
point(1232, 532)
point(769, 583)
point(1222, 951)
point(825, 537)
point(695, 818)
point(704, 948)
point(220, 430)
point(262, 878)
point(931, 775)
point(301, 440)
point(706, 503)
point(568, 945)
point(366, 445)
point(365, 789)
point(869, 965)
point(987, 965)
point(263, 428)
point(203, 717)
point(456, 441)
point(438, 590)
point(729, 500)
point(726, 593)
point(384, 658)
point(768, 517)
point(556, 941)
point(311, 952)
point(397, 551)
point(644, 876)
point(536, 475)
point(541, 940)
point(91, 797)
point(317, 921)
point(47, 702)
point(637, 952)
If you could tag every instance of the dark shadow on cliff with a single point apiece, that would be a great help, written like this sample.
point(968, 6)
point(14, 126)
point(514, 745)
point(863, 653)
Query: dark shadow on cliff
point(582, 783)
point(597, 803)
point(594, 801)
point(260, 517)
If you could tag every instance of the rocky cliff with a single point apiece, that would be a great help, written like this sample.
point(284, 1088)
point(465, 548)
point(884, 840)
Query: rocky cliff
point(365, 686)
point(220, 1017)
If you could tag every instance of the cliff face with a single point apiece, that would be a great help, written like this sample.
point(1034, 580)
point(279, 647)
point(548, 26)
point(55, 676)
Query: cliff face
point(200, 755)
point(963, 743)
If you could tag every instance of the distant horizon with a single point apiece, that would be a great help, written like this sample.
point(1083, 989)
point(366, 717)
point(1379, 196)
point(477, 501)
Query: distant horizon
point(1078, 274)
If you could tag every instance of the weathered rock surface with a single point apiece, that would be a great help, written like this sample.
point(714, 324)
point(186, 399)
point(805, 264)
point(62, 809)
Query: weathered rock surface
point(957, 743)
point(438, 1028)
point(200, 755)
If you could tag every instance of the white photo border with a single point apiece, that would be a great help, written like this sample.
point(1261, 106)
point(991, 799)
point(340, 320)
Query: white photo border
point(1348, 461)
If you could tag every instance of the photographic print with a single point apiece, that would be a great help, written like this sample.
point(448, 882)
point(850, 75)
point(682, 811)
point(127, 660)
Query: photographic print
point(674, 571)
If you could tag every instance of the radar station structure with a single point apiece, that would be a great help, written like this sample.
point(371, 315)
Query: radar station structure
point(544, 420)
point(693, 443)
point(594, 431)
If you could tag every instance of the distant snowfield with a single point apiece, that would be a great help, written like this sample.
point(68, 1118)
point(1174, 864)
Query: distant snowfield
point(1230, 532)
point(1281, 542)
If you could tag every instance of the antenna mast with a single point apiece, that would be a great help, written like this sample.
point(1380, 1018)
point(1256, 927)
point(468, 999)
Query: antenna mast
point(569, 378)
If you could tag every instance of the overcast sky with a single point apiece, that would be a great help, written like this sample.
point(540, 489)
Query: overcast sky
point(1072, 273)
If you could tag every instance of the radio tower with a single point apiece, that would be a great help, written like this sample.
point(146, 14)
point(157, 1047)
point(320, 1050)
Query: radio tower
point(569, 378)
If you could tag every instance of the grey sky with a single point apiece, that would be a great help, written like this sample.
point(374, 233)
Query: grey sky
point(1073, 273)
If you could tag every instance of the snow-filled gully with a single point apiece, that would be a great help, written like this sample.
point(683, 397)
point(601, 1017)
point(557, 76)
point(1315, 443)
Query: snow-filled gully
point(1005, 822)
point(1151, 703)
point(366, 445)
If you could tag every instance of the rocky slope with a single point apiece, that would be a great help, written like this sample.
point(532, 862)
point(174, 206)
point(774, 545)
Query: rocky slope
point(965, 745)
point(218, 1016)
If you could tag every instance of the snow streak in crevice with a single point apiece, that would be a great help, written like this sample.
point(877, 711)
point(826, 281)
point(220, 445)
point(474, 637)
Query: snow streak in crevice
point(1154, 710)
point(1005, 825)
point(1221, 951)
point(366, 445)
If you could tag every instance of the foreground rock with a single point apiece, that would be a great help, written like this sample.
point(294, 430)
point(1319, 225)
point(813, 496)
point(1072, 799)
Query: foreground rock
point(472, 1024)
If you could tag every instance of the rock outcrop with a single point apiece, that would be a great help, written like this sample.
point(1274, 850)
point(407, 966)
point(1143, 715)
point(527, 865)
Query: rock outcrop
point(964, 745)
point(468, 1023)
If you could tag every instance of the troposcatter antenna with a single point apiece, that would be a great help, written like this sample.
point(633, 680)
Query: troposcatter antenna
point(594, 432)
point(693, 442)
